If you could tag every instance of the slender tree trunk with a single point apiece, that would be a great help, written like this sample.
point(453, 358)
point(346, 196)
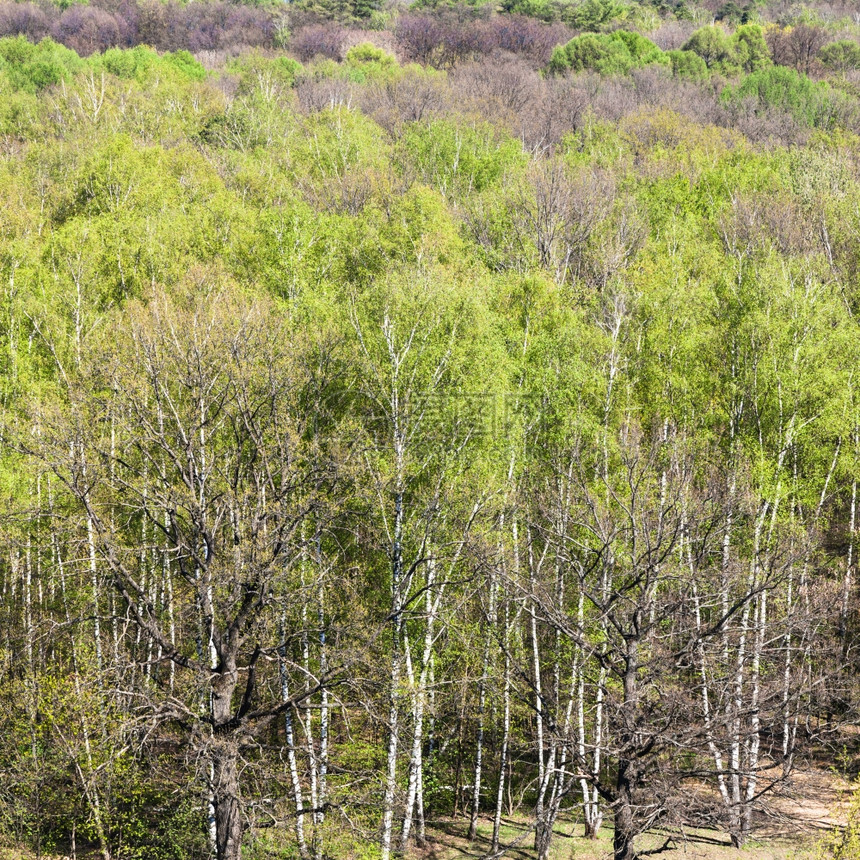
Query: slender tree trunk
point(482, 707)
point(292, 762)
point(415, 756)
point(787, 645)
point(544, 757)
point(707, 716)
point(627, 776)
point(391, 757)
point(307, 721)
point(847, 582)
point(431, 738)
point(28, 603)
point(737, 816)
point(167, 587)
point(322, 787)
point(394, 675)
point(506, 731)
point(559, 745)
point(418, 685)
point(754, 744)
point(97, 633)
point(593, 810)
point(590, 805)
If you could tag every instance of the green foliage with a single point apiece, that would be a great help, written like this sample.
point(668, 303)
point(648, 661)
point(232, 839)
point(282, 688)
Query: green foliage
point(258, 72)
point(843, 843)
point(342, 10)
point(615, 53)
point(75, 739)
point(731, 12)
point(596, 15)
point(366, 52)
point(537, 299)
point(745, 50)
point(17, 50)
point(716, 48)
point(841, 56)
point(456, 156)
point(33, 68)
point(141, 63)
point(687, 64)
point(543, 10)
point(586, 15)
point(368, 62)
point(752, 52)
point(146, 819)
point(784, 89)
point(339, 142)
point(129, 64)
point(186, 65)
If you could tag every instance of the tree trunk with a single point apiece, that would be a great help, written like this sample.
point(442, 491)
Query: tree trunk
point(506, 733)
point(224, 760)
point(322, 788)
point(482, 707)
point(394, 678)
point(418, 685)
point(415, 757)
point(545, 760)
point(290, 738)
point(627, 777)
point(625, 828)
point(225, 796)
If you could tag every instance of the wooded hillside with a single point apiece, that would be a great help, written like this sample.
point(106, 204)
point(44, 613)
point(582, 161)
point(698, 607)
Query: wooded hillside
point(420, 415)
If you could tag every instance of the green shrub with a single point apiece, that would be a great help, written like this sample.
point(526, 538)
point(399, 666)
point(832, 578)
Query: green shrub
point(16, 50)
point(595, 15)
point(367, 61)
point(254, 70)
point(750, 48)
point(643, 50)
point(843, 843)
point(42, 74)
point(448, 155)
point(130, 64)
point(615, 53)
point(716, 48)
point(185, 63)
point(686, 64)
point(842, 56)
point(540, 9)
point(601, 54)
point(33, 68)
point(732, 12)
point(590, 16)
point(784, 89)
point(367, 52)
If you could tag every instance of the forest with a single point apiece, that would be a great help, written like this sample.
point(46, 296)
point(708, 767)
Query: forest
point(429, 430)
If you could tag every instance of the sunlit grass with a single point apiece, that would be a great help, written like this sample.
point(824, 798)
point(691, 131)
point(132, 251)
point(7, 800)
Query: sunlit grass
point(447, 841)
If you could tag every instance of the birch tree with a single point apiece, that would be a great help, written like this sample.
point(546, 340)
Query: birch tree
point(410, 338)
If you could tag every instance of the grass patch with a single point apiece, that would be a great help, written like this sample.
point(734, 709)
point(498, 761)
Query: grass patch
point(447, 841)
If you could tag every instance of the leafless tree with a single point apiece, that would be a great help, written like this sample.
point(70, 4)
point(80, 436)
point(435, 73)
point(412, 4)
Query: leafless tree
point(189, 433)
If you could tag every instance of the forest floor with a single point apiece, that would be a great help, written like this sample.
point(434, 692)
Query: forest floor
point(447, 841)
point(802, 813)
point(814, 802)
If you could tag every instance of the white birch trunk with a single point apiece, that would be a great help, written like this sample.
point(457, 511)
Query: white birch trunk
point(292, 761)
